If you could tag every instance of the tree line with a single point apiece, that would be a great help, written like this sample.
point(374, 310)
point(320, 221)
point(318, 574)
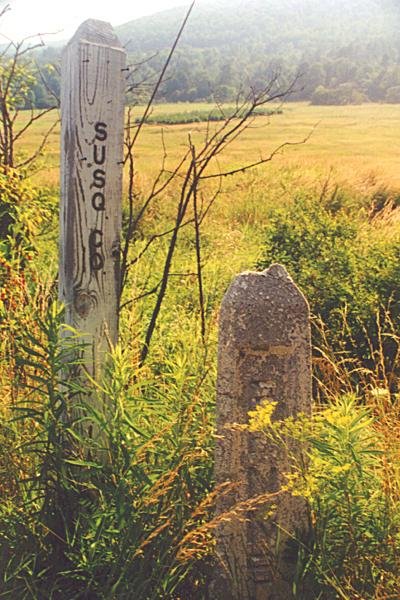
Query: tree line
point(343, 52)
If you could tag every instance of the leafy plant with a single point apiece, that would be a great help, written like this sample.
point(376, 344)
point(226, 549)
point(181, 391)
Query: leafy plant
point(342, 474)
point(25, 213)
point(198, 116)
point(89, 527)
point(346, 271)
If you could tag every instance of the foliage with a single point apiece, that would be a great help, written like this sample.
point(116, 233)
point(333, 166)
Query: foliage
point(29, 87)
point(346, 271)
point(348, 58)
point(356, 528)
point(27, 230)
point(393, 94)
point(349, 47)
point(198, 116)
point(85, 529)
point(73, 527)
point(18, 80)
point(20, 86)
point(345, 93)
point(25, 212)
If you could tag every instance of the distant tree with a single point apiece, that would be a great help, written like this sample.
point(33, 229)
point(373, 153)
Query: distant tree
point(239, 48)
point(393, 95)
point(343, 94)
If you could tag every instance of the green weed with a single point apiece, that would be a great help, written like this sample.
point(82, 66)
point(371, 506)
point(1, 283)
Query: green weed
point(342, 474)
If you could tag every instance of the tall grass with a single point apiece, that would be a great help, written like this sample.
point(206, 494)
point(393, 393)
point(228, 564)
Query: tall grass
point(72, 525)
point(140, 523)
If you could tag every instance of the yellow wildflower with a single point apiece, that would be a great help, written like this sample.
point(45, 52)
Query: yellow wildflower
point(260, 418)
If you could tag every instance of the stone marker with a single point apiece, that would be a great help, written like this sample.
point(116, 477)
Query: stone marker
point(264, 353)
point(92, 125)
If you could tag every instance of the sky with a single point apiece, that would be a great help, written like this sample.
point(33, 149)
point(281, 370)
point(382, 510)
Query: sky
point(62, 17)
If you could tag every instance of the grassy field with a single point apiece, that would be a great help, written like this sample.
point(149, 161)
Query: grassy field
point(143, 523)
point(358, 143)
point(353, 147)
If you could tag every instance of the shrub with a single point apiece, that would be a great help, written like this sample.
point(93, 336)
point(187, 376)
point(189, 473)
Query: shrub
point(393, 95)
point(348, 273)
point(345, 93)
point(25, 212)
point(27, 217)
point(202, 115)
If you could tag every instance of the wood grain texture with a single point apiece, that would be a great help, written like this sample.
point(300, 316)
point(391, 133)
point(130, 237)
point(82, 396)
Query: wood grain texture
point(92, 113)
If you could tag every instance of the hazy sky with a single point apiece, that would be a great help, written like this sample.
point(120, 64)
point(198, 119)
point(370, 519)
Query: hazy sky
point(27, 17)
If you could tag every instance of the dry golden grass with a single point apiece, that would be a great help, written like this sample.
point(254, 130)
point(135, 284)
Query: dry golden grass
point(359, 144)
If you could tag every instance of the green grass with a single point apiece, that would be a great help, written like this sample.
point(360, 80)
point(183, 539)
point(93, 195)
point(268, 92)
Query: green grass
point(171, 400)
point(200, 116)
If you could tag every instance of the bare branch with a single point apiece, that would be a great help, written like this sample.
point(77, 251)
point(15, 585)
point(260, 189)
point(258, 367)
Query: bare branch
point(164, 69)
point(46, 85)
point(262, 161)
point(4, 9)
point(185, 196)
point(34, 117)
point(14, 96)
point(40, 148)
point(198, 246)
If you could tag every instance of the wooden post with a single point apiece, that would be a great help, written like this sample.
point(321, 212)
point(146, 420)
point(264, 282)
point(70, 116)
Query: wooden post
point(92, 116)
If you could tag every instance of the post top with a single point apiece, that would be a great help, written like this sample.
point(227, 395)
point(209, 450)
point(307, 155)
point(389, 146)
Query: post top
point(274, 271)
point(266, 289)
point(277, 271)
point(96, 32)
point(275, 276)
point(261, 310)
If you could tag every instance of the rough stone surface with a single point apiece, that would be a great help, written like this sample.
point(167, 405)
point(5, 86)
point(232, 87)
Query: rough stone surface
point(264, 353)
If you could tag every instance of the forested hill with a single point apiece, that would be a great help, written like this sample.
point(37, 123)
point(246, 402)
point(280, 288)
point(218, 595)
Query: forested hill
point(306, 25)
point(346, 50)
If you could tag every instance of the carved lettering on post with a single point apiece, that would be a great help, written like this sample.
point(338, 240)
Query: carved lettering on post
point(264, 353)
point(92, 116)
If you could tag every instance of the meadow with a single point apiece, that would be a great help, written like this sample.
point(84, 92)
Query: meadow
point(356, 142)
point(327, 208)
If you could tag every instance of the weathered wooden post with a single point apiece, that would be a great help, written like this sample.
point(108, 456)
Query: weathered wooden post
point(92, 123)
point(264, 353)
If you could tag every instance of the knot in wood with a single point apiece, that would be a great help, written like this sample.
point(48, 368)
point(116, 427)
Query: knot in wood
point(116, 250)
point(84, 302)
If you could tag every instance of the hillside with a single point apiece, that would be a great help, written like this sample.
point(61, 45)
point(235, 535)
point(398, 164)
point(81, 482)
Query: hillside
point(304, 24)
point(346, 50)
